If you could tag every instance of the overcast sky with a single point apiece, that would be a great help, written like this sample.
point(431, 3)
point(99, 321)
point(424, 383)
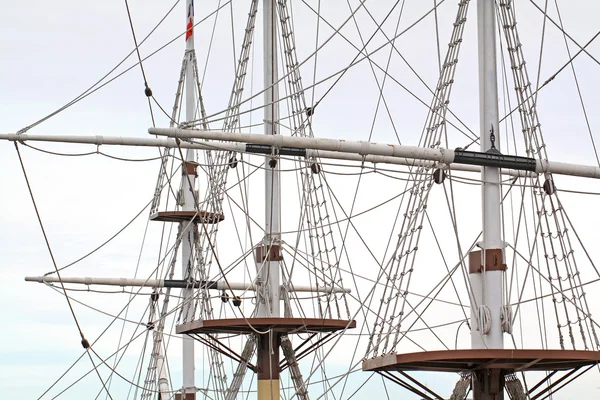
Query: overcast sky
point(54, 51)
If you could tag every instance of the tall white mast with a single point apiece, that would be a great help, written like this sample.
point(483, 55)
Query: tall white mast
point(269, 274)
point(269, 253)
point(487, 285)
point(486, 274)
point(188, 185)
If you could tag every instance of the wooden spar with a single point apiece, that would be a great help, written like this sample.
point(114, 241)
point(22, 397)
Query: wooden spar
point(99, 140)
point(216, 285)
point(361, 148)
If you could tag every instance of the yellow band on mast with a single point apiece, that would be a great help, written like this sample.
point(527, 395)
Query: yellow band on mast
point(268, 389)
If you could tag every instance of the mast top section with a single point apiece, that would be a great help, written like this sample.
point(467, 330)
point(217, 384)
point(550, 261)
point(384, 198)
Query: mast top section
point(189, 25)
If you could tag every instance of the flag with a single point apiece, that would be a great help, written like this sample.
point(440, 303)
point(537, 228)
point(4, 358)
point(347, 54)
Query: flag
point(190, 24)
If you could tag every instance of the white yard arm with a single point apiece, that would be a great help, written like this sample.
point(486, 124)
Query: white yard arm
point(440, 155)
point(218, 285)
point(118, 141)
point(239, 146)
point(346, 146)
point(235, 147)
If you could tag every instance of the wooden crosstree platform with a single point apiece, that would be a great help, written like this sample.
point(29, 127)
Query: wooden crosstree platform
point(252, 325)
point(488, 368)
point(270, 333)
point(475, 359)
point(201, 217)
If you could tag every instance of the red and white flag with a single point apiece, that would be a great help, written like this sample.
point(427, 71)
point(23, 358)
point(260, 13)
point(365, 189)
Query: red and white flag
point(190, 21)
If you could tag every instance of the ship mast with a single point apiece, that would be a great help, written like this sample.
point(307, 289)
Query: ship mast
point(486, 282)
point(268, 266)
point(188, 185)
point(487, 285)
point(269, 274)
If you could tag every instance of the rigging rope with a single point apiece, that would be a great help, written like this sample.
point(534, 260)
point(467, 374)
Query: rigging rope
point(94, 88)
point(400, 267)
point(316, 212)
point(84, 342)
point(554, 236)
point(461, 387)
point(514, 387)
point(583, 108)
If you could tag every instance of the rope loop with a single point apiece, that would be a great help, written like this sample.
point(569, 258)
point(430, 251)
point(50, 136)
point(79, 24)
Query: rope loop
point(506, 319)
point(484, 320)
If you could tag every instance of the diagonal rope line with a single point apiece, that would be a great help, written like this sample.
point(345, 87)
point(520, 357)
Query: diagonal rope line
point(93, 88)
point(551, 78)
point(356, 62)
point(97, 86)
point(583, 108)
point(555, 240)
point(469, 134)
point(582, 48)
point(84, 342)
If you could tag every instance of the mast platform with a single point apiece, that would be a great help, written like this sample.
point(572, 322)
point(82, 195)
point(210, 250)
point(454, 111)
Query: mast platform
point(255, 325)
point(201, 217)
point(270, 335)
point(509, 360)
